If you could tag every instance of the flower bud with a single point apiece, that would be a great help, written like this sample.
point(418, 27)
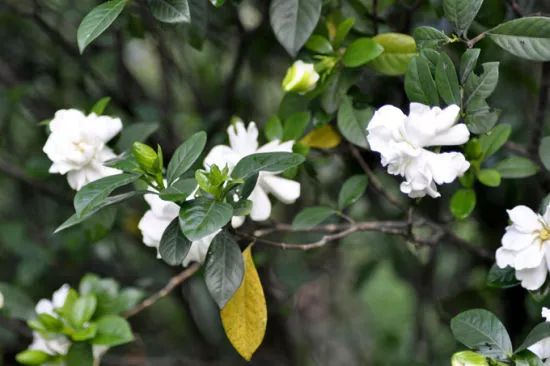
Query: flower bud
point(468, 358)
point(300, 78)
point(146, 157)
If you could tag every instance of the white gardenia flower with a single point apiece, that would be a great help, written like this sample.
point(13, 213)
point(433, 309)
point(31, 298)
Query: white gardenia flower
point(301, 77)
point(77, 146)
point(244, 142)
point(542, 347)
point(156, 220)
point(402, 142)
point(525, 246)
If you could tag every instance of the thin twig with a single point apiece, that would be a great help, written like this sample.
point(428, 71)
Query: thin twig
point(170, 286)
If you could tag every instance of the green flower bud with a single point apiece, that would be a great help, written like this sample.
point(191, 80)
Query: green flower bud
point(300, 78)
point(468, 358)
point(147, 158)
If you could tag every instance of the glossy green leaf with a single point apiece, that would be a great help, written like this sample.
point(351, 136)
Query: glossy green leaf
point(461, 13)
point(80, 354)
point(82, 310)
point(399, 50)
point(224, 268)
point(489, 177)
point(97, 21)
point(481, 330)
point(273, 129)
point(185, 156)
point(201, 217)
point(352, 123)
point(100, 105)
point(342, 31)
point(419, 83)
point(180, 190)
point(269, 162)
point(527, 37)
point(447, 80)
point(491, 142)
point(174, 246)
point(516, 167)
point(310, 217)
point(544, 152)
point(429, 37)
point(468, 62)
point(113, 330)
point(319, 44)
point(295, 125)
point(481, 87)
point(527, 358)
point(293, 21)
point(32, 357)
point(94, 194)
point(502, 277)
point(538, 333)
point(170, 11)
point(463, 203)
point(361, 51)
point(352, 189)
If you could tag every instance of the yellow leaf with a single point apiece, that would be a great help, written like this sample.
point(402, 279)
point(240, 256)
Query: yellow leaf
point(324, 137)
point(244, 317)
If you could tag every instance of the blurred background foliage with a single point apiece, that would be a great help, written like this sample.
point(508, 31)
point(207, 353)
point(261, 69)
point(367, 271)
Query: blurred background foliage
point(370, 299)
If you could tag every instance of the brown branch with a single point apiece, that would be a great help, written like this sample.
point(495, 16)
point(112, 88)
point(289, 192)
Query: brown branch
point(170, 286)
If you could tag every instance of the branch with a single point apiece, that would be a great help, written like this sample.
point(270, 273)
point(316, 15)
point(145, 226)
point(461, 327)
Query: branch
point(170, 286)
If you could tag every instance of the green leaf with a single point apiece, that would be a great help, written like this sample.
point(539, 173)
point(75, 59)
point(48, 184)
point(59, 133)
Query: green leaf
point(544, 152)
point(502, 277)
point(419, 83)
point(201, 217)
point(184, 156)
point(352, 122)
point(100, 106)
point(293, 21)
point(463, 203)
point(481, 330)
point(361, 51)
point(273, 129)
point(447, 80)
point(109, 201)
point(494, 140)
point(32, 357)
point(468, 62)
point(85, 333)
point(527, 37)
point(50, 323)
point(352, 190)
point(80, 354)
point(489, 177)
point(268, 162)
point(135, 132)
point(527, 358)
point(319, 44)
point(224, 268)
point(93, 194)
point(429, 37)
point(170, 11)
point(97, 21)
point(337, 86)
point(399, 50)
point(516, 167)
point(481, 87)
point(482, 121)
point(113, 330)
point(311, 216)
point(538, 333)
point(82, 310)
point(295, 125)
point(342, 31)
point(174, 246)
point(461, 13)
point(179, 191)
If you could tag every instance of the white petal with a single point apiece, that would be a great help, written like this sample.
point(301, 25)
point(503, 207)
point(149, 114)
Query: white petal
point(198, 250)
point(44, 306)
point(446, 167)
point(505, 257)
point(541, 348)
point(261, 206)
point(456, 135)
point(152, 227)
point(546, 216)
point(286, 190)
point(237, 221)
point(546, 313)
point(165, 210)
point(104, 127)
point(529, 257)
point(447, 117)
point(243, 141)
point(222, 155)
point(533, 278)
point(60, 296)
point(276, 146)
point(524, 219)
point(516, 240)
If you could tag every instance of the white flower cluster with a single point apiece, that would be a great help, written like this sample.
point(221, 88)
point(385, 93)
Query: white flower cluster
point(242, 142)
point(56, 344)
point(77, 146)
point(524, 246)
point(402, 142)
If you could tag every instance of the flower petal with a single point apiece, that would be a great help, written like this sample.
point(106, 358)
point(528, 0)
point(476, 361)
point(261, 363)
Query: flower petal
point(286, 190)
point(198, 250)
point(532, 278)
point(541, 348)
point(530, 257)
point(221, 155)
point(242, 140)
point(261, 206)
point(504, 257)
point(455, 135)
point(516, 240)
point(524, 219)
point(237, 221)
point(446, 167)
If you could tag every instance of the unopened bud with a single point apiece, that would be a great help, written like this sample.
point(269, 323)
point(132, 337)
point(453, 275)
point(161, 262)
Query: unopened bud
point(301, 77)
point(468, 358)
point(146, 157)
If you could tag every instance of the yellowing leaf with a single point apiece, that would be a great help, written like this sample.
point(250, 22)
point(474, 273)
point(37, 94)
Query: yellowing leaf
point(324, 137)
point(244, 317)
